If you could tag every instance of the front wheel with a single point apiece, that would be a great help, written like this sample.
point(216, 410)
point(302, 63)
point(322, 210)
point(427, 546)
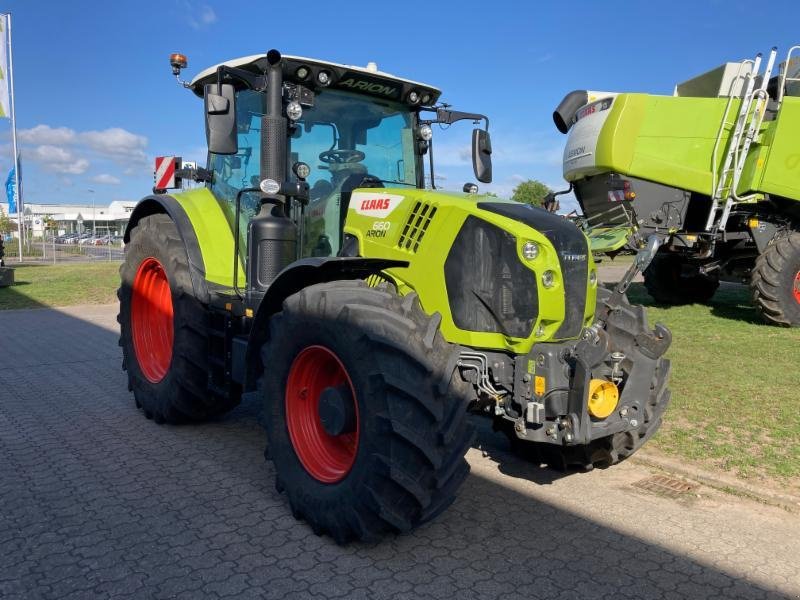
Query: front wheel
point(366, 424)
point(775, 282)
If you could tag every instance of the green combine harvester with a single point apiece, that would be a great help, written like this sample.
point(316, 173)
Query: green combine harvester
point(316, 274)
point(713, 171)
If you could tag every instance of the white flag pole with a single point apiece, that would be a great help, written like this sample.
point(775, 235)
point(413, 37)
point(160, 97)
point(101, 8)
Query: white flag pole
point(17, 191)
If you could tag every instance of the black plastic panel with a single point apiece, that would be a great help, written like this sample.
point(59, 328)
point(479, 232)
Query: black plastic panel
point(573, 254)
point(489, 289)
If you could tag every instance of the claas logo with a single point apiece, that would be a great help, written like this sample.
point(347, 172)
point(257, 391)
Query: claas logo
point(375, 204)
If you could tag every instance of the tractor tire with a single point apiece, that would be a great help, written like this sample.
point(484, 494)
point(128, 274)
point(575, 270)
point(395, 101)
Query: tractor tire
point(667, 285)
point(775, 282)
point(365, 411)
point(163, 328)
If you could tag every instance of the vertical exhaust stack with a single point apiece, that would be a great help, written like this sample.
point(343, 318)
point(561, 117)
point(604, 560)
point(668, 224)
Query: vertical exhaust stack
point(271, 235)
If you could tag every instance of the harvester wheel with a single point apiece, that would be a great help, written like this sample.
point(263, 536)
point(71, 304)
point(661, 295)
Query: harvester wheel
point(364, 410)
point(775, 282)
point(163, 327)
point(666, 283)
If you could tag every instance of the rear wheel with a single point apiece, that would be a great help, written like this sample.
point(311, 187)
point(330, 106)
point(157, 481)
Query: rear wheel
point(365, 417)
point(667, 283)
point(775, 282)
point(163, 327)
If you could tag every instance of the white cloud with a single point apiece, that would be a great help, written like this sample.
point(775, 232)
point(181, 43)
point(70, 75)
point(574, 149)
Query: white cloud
point(198, 16)
point(44, 134)
point(58, 160)
point(116, 143)
point(106, 179)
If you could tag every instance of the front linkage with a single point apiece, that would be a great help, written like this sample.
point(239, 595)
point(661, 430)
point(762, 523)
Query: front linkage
point(592, 401)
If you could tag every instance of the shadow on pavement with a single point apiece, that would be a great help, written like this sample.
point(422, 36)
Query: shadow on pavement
point(99, 502)
point(11, 297)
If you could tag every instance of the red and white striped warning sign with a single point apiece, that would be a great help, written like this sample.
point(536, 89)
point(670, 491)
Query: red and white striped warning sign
point(165, 172)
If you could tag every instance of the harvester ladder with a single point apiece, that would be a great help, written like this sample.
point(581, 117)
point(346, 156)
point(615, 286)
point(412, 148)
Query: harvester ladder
point(746, 128)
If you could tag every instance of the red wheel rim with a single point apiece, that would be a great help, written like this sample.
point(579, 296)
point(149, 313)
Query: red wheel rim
point(327, 458)
point(151, 320)
point(796, 287)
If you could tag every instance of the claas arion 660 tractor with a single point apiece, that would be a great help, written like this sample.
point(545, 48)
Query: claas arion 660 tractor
point(315, 274)
point(713, 171)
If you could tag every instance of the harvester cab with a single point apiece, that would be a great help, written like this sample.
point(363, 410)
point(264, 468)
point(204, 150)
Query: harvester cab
point(711, 170)
point(320, 273)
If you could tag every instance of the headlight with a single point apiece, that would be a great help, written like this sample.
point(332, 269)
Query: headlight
point(301, 169)
point(548, 279)
point(323, 78)
point(530, 250)
point(593, 278)
point(293, 110)
point(425, 132)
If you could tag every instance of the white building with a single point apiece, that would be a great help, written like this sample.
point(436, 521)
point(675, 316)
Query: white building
point(71, 218)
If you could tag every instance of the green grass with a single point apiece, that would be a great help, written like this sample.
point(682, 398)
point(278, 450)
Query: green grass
point(39, 286)
point(735, 403)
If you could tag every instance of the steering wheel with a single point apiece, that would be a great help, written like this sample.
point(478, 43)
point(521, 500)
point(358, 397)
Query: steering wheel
point(339, 157)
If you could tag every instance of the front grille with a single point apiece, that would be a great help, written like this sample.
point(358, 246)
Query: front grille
point(573, 254)
point(417, 224)
point(488, 288)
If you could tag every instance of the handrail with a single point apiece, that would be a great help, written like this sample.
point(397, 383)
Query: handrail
point(783, 78)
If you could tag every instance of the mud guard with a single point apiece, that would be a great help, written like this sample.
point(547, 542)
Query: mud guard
point(165, 204)
point(301, 274)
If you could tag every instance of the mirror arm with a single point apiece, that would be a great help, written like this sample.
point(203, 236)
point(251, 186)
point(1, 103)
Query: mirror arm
point(448, 117)
point(230, 74)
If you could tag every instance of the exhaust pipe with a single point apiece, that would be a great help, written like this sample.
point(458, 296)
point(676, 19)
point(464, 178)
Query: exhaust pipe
point(567, 109)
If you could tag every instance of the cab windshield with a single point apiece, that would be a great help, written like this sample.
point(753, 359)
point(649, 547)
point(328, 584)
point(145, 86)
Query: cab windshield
point(346, 134)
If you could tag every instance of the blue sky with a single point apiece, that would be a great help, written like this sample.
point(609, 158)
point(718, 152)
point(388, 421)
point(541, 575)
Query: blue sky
point(96, 100)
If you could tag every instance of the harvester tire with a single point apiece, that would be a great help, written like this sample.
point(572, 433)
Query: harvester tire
point(666, 284)
point(775, 282)
point(164, 337)
point(364, 410)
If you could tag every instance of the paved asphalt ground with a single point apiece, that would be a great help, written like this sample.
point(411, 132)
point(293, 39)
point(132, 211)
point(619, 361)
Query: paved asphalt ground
point(97, 502)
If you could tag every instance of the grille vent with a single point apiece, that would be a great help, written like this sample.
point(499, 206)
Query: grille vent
point(418, 221)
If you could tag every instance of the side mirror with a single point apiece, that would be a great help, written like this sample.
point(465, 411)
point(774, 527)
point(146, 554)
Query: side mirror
point(482, 155)
point(220, 109)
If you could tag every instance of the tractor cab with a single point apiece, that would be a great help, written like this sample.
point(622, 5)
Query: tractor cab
point(346, 127)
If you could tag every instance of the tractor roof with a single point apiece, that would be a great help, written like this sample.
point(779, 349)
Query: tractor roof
point(363, 80)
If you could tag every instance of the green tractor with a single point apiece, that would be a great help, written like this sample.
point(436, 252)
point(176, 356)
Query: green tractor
point(713, 171)
point(315, 274)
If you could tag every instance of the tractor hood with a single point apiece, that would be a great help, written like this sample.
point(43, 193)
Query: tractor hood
point(513, 274)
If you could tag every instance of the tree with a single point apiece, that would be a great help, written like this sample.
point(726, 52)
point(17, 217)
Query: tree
point(6, 226)
point(530, 192)
point(48, 222)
